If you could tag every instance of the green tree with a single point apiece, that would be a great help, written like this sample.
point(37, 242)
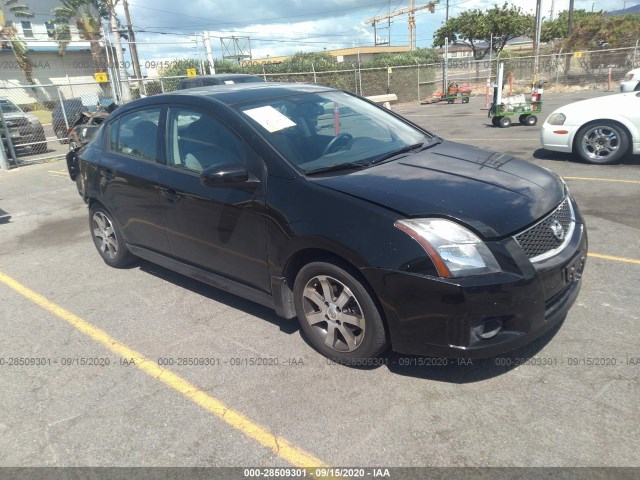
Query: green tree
point(599, 31)
point(419, 55)
point(559, 27)
point(484, 30)
point(9, 39)
point(87, 16)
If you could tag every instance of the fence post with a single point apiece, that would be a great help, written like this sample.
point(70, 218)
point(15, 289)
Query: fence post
point(63, 108)
point(315, 80)
point(418, 68)
point(161, 85)
point(4, 165)
point(635, 50)
point(355, 77)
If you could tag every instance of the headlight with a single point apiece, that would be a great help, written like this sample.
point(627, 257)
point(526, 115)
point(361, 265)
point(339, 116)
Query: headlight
point(455, 250)
point(556, 119)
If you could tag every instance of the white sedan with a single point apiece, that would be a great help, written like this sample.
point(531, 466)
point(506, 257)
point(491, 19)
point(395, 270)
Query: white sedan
point(600, 130)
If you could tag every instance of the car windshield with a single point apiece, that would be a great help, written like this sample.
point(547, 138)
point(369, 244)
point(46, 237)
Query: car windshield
point(8, 107)
point(331, 130)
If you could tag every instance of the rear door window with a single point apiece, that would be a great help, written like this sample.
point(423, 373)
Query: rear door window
point(136, 134)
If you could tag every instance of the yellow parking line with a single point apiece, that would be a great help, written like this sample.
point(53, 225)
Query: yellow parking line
point(56, 172)
point(617, 259)
point(278, 445)
point(597, 179)
point(487, 139)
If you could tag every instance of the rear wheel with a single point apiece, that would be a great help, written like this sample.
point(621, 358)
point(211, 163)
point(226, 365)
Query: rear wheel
point(523, 119)
point(108, 238)
point(505, 122)
point(531, 120)
point(602, 142)
point(337, 313)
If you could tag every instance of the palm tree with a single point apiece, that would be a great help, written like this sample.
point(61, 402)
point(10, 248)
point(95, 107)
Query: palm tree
point(87, 16)
point(9, 39)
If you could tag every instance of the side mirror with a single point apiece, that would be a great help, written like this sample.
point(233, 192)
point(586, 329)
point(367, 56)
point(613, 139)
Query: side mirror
point(228, 175)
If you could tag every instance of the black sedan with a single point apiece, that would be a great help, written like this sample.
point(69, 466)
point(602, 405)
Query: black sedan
point(373, 232)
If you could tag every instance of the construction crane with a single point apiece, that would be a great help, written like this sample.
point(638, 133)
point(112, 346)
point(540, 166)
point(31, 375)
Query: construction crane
point(411, 10)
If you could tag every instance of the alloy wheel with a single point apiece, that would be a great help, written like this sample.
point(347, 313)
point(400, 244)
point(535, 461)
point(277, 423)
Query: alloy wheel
point(105, 235)
point(333, 313)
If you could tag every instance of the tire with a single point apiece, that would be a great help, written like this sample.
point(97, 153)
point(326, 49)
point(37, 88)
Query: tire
point(337, 314)
point(602, 142)
point(531, 120)
point(522, 119)
point(465, 99)
point(495, 121)
point(505, 122)
point(108, 238)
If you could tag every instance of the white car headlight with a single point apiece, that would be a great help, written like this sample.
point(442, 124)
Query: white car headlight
point(556, 119)
point(455, 250)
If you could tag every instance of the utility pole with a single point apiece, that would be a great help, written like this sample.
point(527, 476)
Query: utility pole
point(536, 42)
point(208, 52)
point(570, 26)
point(133, 48)
point(446, 13)
point(113, 20)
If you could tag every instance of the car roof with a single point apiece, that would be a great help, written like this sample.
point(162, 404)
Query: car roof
point(226, 76)
point(232, 94)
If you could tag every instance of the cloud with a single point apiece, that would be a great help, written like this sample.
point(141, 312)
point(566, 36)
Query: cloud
point(283, 27)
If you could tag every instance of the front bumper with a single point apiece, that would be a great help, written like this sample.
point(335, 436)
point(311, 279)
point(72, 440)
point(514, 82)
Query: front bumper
point(628, 86)
point(558, 138)
point(448, 317)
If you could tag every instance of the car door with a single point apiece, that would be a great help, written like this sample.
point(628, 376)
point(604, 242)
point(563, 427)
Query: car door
point(220, 229)
point(130, 174)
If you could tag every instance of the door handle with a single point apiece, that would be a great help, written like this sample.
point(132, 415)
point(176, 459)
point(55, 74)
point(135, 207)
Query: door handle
point(170, 194)
point(107, 173)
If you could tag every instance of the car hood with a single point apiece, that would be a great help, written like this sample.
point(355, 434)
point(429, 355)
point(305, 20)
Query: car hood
point(14, 115)
point(622, 103)
point(493, 193)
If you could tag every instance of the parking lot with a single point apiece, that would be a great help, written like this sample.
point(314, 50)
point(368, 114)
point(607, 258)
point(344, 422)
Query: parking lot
point(145, 367)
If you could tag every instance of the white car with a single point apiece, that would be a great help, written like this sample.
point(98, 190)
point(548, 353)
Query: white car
point(600, 130)
point(631, 81)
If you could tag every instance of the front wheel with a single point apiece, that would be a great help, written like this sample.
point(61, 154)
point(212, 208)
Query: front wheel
point(602, 143)
point(505, 122)
point(107, 238)
point(337, 314)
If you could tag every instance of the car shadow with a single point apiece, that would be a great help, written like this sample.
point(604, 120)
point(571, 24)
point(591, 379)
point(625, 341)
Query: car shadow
point(5, 217)
point(427, 368)
point(217, 295)
point(542, 154)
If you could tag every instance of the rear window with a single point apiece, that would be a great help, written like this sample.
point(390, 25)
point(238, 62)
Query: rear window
point(629, 76)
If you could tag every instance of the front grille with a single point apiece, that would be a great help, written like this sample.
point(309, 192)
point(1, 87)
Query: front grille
point(539, 241)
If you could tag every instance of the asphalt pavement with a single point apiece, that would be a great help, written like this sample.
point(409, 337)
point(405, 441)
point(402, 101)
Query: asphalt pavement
point(98, 397)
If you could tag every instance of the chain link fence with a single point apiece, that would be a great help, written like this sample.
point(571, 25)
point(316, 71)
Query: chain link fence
point(37, 117)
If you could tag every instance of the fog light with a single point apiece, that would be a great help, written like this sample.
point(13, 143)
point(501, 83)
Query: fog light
point(489, 328)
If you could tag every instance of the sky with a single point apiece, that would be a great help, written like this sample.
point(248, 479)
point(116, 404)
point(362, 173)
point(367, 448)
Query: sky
point(165, 29)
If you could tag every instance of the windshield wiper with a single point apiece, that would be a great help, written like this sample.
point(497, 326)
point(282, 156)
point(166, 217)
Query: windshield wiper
point(338, 166)
point(409, 148)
